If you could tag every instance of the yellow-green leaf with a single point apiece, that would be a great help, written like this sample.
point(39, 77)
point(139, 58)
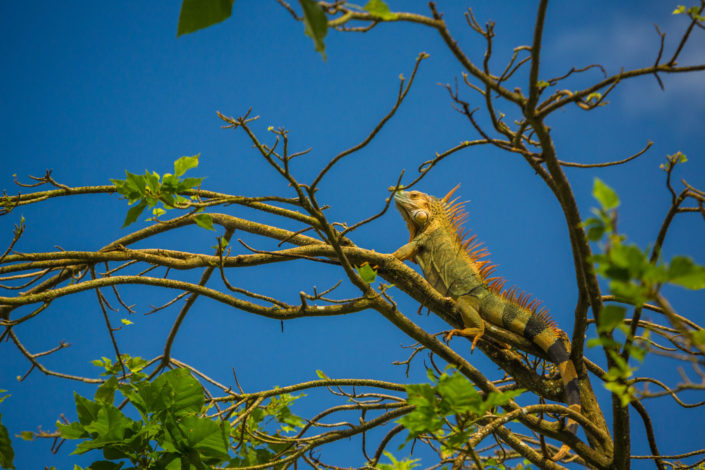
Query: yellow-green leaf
point(185, 163)
point(205, 221)
point(605, 195)
point(380, 9)
point(199, 14)
point(315, 24)
point(610, 317)
point(367, 273)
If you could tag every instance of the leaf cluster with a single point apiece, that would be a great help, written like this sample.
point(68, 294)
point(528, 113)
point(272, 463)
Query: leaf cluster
point(634, 277)
point(200, 14)
point(171, 434)
point(150, 189)
point(451, 394)
point(173, 431)
point(277, 415)
point(693, 12)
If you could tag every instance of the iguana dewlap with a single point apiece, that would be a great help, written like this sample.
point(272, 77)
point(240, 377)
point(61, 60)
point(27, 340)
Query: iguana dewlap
point(452, 262)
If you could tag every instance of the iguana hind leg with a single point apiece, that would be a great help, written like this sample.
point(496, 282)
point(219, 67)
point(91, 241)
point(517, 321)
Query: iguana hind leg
point(474, 325)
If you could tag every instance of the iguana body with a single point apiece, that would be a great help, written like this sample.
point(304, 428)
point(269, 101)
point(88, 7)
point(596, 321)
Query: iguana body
point(452, 263)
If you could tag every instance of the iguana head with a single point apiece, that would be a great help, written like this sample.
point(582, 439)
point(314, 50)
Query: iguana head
point(421, 211)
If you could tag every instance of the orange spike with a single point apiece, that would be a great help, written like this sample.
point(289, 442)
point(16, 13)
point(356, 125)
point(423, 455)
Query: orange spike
point(450, 193)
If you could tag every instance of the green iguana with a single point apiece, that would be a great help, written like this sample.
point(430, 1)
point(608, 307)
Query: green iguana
point(452, 262)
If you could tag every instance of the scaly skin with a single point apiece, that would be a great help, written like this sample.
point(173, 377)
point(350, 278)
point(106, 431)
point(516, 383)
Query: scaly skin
point(453, 265)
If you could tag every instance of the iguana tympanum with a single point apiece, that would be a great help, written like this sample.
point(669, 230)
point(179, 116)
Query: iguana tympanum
point(452, 262)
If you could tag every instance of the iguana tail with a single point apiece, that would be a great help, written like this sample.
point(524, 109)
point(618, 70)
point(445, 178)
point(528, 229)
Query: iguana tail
point(517, 314)
point(561, 357)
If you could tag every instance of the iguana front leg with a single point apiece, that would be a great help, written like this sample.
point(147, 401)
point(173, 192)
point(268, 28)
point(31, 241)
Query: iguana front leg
point(472, 321)
point(407, 252)
point(474, 326)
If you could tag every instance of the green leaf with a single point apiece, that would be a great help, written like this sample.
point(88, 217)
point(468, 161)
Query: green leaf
point(199, 14)
point(315, 24)
point(541, 84)
point(7, 455)
point(105, 465)
point(699, 336)
point(152, 181)
point(322, 375)
point(622, 391)
point(596, 228)
point(380, 9)
point(126, 322)
point(70, 431)
point(610, 317)
point(605, 195)
point(86, 409)
point(596, 232)
point(685, 273)
point(188, 183)
point(188, 393)
point(404, 464)
point(679, 10)
point(106, 391)
point(630, 257)
point(183, 164)
point(27, 435)
point(367, 273)
point(170, 183)
point(135, 184)
point(204, 221)
point(458, 395)
point(425, 416)
point(134, 212)
point(631, 292)
point(603, 341)
point(110, 424)
point(206, 436)
point(495, 399)
point(636, 352)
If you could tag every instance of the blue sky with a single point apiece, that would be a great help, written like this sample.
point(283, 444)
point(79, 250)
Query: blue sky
point(90, 89)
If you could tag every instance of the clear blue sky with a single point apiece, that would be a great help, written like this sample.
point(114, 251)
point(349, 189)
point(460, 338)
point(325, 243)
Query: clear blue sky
point(93, 88)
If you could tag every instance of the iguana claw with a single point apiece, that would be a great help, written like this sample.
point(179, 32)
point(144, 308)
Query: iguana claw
point(475, 333)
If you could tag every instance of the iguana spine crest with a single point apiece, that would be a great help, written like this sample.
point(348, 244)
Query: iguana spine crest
point(456, 218)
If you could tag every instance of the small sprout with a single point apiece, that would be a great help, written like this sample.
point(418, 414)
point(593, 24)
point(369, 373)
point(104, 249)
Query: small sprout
point(593, 96)
point(541, 84)
point(126, 322)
